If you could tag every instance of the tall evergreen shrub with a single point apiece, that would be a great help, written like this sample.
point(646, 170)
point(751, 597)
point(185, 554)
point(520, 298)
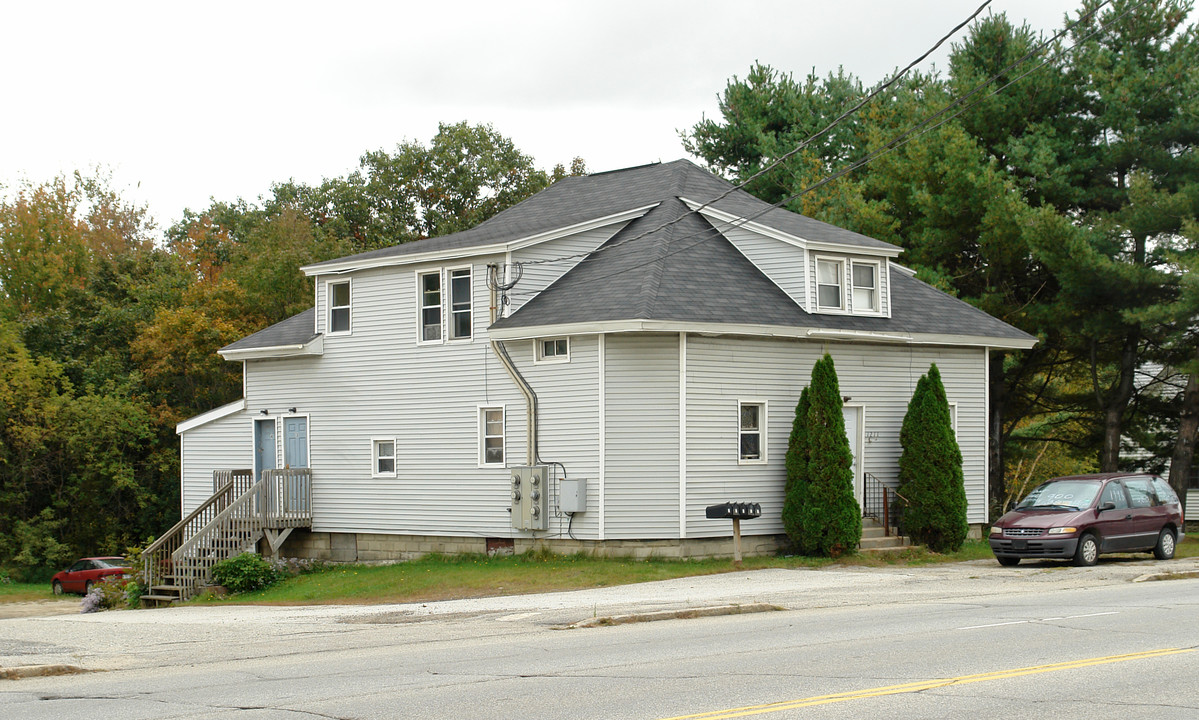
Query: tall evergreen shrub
point(795, 495)
point(930, 469)
point(829, 519)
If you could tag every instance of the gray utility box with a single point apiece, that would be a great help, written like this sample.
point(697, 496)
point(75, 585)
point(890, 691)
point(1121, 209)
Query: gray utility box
point(530, 491)
point(572, 496)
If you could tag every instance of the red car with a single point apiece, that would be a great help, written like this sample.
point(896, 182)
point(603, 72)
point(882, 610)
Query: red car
point(80, 577)
point(1080, 517)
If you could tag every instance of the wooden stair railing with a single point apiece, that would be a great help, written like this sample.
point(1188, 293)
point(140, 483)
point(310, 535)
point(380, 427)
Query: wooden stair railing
point(232, 521)
point(156, 558)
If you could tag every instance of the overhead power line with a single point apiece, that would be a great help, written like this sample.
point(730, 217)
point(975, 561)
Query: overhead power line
point(923, 127)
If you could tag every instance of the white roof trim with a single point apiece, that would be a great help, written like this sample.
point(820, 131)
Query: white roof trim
point(217, 414)
point(737, 221)
point(315, 346)
point(796, 332)
point(490, 249)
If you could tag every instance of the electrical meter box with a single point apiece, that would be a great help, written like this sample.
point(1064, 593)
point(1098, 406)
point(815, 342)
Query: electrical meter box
point(530, 492)
point(572, 496)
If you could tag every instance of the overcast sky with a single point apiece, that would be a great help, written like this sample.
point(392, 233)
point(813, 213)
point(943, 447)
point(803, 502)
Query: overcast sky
point(185, 101)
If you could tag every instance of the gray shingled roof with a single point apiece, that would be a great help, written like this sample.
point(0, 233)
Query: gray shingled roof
point(686, 272)
point(579, 199)
point(690, 273)
point(295, 330)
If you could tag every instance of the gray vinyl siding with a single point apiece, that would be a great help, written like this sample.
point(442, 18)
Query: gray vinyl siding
point(881, 378)
point(641, 483)
point(568, 418)
point(538, 277)
point(223, 444)
point(379, 383)
point(781, 262)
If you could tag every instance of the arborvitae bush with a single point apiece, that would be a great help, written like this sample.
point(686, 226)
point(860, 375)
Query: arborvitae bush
point(828, 518)
point(797, 471)
point(930, 470)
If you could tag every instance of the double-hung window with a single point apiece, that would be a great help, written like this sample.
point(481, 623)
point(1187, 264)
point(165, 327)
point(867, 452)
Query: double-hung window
point(865, 287)
point(491, 436)
point(460, 304)
point(339, 307)
point(446, 306)
point(429, 287)
point(752, 432)
point(383, 457)
point(830, 275)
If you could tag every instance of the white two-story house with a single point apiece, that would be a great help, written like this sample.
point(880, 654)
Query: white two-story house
point(641, 336)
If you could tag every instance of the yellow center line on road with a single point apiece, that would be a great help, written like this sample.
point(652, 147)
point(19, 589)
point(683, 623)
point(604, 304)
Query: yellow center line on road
point(925, 685)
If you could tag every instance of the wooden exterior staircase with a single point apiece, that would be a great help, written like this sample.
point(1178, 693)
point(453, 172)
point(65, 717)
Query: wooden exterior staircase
point(240, 514)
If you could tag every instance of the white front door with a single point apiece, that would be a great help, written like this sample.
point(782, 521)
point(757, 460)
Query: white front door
point(853, 432)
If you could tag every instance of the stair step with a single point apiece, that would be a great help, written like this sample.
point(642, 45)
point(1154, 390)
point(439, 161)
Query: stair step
point(884, 543)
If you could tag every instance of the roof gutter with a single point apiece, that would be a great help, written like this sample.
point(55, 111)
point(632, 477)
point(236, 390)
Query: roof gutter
point(501, 353)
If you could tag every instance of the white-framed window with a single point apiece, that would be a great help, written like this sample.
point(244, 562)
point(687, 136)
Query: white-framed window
point(953, 419)
point(491, 436)
point(865, 286)
point(383, 457)
point(428, 289)
point(553, 350)
point(751, 434)
point(830, 279)
point(460, 303)
point(338, 295)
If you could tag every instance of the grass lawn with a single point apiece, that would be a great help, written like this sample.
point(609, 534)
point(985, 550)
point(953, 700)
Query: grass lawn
point(445, 577)
point(25, 592)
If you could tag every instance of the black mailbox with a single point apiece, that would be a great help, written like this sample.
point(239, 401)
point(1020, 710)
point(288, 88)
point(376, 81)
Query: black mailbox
point(738, 511)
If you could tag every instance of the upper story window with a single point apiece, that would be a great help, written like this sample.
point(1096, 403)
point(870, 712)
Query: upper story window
point(830, 276)
point(448, 314)
point(339, 307)
point(553, 350)
point(460, 304)
point(865, 287)
point(429, 287)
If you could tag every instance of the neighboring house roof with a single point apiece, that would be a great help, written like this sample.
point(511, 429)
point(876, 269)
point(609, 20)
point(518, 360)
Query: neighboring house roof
point(574, 200)
point(293, 336)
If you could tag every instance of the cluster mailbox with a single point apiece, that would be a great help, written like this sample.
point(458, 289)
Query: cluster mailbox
point(738, 510)
point(735, 511)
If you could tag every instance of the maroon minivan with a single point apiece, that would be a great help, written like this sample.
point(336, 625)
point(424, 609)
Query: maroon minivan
point(1081, 516)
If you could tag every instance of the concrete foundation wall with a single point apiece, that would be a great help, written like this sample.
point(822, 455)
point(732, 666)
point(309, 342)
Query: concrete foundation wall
point(370, 547)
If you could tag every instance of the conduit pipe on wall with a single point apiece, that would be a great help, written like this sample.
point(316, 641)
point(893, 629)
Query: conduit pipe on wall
point(523, 385)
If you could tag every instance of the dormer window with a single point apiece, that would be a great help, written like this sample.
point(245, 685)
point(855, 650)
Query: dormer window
point(339, 307)
point(865, 287)
point(830, 274)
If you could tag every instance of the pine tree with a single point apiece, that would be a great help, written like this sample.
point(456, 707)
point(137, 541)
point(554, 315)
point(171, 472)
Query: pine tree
point(829, 518)
point(797, 471)
point(930, 469)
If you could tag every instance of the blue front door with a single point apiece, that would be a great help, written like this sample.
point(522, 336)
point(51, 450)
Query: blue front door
point(295, 442)
point(264, 447)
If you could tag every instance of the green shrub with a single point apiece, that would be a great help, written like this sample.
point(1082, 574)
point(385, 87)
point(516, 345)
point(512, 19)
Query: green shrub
point(930, 470)
point(826, 517)
point(795, 493)
point(244, 573)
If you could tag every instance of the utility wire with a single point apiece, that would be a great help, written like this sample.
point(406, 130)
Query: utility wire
point(789, 154)
point(896, 143)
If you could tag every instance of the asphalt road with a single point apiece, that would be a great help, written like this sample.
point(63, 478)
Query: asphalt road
point(944, 641)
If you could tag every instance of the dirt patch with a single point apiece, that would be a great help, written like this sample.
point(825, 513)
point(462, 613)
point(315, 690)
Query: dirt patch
point(40, 608)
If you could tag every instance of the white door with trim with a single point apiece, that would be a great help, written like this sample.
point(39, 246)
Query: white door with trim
point(853, 432)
